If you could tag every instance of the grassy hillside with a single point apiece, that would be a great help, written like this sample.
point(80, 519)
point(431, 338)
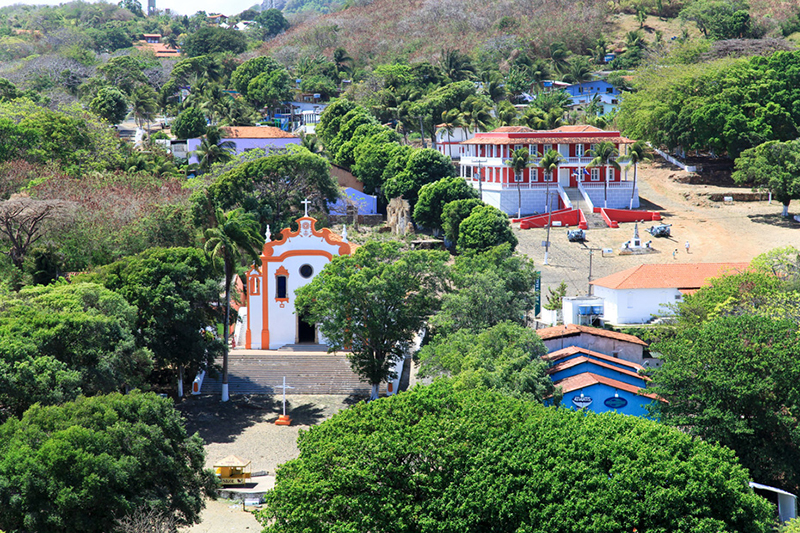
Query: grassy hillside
point(384, 30)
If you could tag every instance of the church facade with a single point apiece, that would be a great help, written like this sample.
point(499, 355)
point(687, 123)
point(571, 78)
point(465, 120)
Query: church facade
point(286, 265)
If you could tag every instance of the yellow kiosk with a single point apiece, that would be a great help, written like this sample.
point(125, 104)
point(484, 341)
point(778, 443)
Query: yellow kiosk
point(233, 471)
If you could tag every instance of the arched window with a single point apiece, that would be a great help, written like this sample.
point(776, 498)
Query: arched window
point(282, 285)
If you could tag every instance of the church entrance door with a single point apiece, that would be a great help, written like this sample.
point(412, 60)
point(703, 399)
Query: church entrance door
point(306, 332)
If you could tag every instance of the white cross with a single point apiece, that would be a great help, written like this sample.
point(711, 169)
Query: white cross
point(305, 203)
point(284, 387)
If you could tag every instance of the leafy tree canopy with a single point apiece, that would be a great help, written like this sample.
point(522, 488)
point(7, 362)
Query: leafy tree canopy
point(174, 290)
point(506, 357)
point(271, 22)
point(436, 459)
point(733, 380)
point(78, 467)
point(250, 69)
point(214, 40)
point(110, 104)
point(454, 213)
point(484, 228)
point(189, 124)
point(374, 301)
point(773, 165)
point(62, 340)
point(272, 187)
point(424, 166)
point(434, 196)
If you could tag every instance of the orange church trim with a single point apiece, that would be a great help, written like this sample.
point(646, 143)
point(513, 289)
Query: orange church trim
point(329, 236)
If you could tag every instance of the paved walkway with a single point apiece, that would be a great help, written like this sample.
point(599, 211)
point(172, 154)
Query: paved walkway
point(309, 372)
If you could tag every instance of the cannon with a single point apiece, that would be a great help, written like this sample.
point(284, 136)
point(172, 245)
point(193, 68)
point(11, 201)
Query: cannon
point(576, 235)
point(662, 230)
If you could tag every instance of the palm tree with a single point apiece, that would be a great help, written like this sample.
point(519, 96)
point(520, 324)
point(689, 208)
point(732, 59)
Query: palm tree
point(636, 153)
point(456, 66)
point(211, 150)
point(494, 87)
point(578, 70)
point(234, 238)
point(343, 62)
point(475, 114)
point(549, 163)
point(520, 160)
point(450, 121)
point(505, 113)
point(539, 71)
point(558, 56)
point(143, 103)
point(604, 156)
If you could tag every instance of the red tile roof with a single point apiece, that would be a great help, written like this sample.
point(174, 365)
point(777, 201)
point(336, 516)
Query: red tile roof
point(256, 132)
point(579, 128)
point(513, 129)
point(569, 351)
point(574, 329)
point(669, 276)
point(587, 379)
point(580, 360)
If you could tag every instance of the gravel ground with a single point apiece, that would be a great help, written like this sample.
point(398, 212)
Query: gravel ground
point(245, 427)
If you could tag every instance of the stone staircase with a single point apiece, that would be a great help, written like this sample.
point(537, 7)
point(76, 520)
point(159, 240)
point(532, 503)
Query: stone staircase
point(594, 220)
point(574, 196)
point(308, 373)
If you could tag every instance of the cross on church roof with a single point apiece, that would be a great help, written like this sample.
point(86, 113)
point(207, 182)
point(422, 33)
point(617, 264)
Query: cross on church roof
point(305, 203)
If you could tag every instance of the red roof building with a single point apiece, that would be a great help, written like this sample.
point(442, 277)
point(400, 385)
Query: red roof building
point(483, 161)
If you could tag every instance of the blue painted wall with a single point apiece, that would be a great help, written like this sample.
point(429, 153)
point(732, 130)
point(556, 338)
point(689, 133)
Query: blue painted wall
point(599, 393)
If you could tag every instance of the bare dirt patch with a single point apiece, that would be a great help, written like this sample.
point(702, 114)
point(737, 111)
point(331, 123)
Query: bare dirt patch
point(716, 231)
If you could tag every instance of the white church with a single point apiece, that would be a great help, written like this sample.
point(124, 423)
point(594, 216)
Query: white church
point(286, 265)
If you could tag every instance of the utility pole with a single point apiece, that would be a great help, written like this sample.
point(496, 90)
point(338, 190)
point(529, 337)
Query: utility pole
point(422, 132)
point(591, 253)
point(549, 221)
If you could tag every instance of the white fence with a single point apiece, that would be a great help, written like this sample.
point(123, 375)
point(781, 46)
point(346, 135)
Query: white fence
point(677, 162)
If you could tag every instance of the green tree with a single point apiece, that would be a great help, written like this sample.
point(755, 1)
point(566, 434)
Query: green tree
point(331, 118)
point(773, 165)
point(213, 150)
point(234, 239)
point(189, 124)
point(214, 40)
point(371, 158)
point(720, 19)
point(78, 467)
point(110, 104)
point(637, 153)
point(124, 73)
point(454, 213)
point(270, 90)
point(174, 290)
point(505, 357)
point(59, 341)
point(271, 22)
point(555, 297)
point(424, 166)
point(17, 140)
point(476, 114)
point(456, 65)
point(319, 84)
point(436, 459)
point(485, 289)
point(484, 228)
point(434, 196)
point(143, 104)
point(605, 155)
point(374, 302)
point(273, 187)
point(251, 69)
point(733, 380)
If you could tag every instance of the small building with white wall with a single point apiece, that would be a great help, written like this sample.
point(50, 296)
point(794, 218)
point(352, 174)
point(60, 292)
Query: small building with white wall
point(636, 295)
point(247, 138)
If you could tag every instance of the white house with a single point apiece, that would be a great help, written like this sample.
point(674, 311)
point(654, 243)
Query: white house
point(447, 141)
point(635, 295)
point(286, 265)
point(246, 138)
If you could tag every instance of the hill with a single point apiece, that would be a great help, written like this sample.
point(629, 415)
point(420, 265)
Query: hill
point(387, 30)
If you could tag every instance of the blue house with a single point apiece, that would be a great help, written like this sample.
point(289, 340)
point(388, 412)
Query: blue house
point(606, 95)
point(598, 382)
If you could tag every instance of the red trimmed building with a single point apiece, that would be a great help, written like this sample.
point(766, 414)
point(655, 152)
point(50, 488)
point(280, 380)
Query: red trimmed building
point(483, 163)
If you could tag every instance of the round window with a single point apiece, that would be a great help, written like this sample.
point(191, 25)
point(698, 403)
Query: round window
point(306, 271)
